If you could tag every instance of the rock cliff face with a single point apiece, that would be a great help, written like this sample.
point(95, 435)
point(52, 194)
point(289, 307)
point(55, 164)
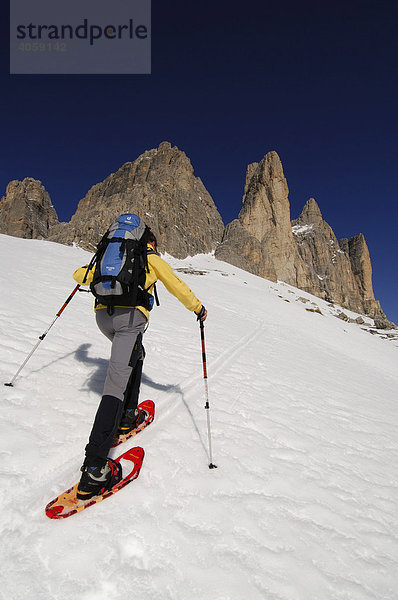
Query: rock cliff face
point(341, 272)
point(261, 239)
point(160, 187)
point(26, 210)
point(264, 224)
point(357, 251)
point(304, 253)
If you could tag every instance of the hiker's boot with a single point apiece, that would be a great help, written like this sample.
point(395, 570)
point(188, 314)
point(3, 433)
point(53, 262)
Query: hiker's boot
point(98, 477)
point(132, 418)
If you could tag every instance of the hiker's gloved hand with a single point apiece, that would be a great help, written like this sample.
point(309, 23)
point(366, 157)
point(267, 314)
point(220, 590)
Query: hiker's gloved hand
point(202, 314)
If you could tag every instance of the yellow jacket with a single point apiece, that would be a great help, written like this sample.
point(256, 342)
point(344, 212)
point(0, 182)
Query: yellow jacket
point(159, 269)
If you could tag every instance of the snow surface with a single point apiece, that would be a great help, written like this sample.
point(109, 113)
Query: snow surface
point(303, 505)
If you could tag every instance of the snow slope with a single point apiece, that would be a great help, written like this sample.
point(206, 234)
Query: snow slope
point(303, 505)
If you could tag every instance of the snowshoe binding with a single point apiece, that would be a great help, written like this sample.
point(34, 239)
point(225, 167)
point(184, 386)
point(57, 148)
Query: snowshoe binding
point(97, 479)
point(132, 419)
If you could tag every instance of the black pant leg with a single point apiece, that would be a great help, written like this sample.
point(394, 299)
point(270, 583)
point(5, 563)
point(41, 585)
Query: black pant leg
point(133, 388)
point(104, 428)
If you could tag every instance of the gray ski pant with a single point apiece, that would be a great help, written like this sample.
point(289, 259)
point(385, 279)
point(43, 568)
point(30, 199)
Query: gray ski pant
point(124, 328)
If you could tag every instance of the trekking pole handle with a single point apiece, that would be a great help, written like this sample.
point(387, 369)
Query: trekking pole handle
point(202, 337)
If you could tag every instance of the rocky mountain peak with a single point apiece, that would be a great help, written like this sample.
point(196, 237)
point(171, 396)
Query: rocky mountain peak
point(305, 252)
point(265, 204)
point(26, 210)
point(159, 186)
point(272, 166)
point(249, 174)
point(263, 224)
point(311, 214)
point(267, 174)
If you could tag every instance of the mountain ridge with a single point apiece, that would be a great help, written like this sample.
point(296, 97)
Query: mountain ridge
point(161, 187)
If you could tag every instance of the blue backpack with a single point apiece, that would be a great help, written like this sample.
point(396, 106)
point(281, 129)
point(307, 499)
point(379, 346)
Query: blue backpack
point(121, 265)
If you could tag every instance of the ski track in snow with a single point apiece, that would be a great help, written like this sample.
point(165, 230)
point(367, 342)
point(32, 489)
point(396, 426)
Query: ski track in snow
point(303, 409)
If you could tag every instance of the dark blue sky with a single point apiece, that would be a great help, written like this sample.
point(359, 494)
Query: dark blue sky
point(315, 81)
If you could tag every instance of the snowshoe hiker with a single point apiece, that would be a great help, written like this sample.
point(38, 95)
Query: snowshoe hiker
point(124, 299)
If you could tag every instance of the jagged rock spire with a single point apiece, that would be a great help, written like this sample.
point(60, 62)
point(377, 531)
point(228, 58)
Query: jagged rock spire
point(161, 187)
point(305, 252)
point(26, 210)
point(265, 219)
point(311, 214)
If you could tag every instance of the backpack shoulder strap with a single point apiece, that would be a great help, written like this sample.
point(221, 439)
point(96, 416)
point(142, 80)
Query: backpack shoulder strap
point(155, 293)
point(152, 252)
point(98, 254)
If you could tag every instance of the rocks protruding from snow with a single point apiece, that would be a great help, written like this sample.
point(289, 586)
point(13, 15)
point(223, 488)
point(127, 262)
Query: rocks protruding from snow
point(381, 323)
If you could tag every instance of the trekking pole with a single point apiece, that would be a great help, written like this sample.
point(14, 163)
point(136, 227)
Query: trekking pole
point(207, 406)
point(43, 335)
